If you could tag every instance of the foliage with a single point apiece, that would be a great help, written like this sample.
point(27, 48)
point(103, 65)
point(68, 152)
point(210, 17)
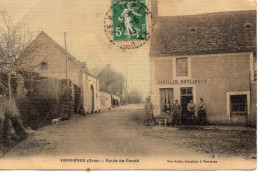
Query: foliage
point(110, 81)
point(7, 107)
point(10, 107)
point(14, 39)
point(44, 101)
point(134, 97)
point(39, 107)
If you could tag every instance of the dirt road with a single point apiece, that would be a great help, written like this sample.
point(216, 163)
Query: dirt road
point(107, 133)
point(115, 133)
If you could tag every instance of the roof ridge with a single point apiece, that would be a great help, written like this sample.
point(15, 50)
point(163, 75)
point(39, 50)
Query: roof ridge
point(211, 13)
point(64, 51)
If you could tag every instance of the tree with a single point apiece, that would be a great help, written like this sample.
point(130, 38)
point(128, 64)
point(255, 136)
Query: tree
point(109, 80)
point(96, 70)
point(14, 39)
point(134, 97)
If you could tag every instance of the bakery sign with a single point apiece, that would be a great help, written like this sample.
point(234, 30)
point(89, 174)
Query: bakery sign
point(183, 82)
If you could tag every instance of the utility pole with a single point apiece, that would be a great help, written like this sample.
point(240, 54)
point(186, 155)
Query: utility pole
point(126, 83)
point(67, 77)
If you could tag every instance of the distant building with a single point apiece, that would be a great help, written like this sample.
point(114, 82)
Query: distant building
point(48, 58)
point(210, 56)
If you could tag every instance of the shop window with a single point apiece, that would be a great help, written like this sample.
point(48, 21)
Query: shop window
point(182, 66)
point(166, 95)
point(238, 104)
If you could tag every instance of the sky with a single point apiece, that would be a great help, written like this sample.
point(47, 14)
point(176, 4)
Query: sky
point(86, 40)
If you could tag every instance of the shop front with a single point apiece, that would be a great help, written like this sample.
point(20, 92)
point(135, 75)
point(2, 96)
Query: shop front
point(225, 90)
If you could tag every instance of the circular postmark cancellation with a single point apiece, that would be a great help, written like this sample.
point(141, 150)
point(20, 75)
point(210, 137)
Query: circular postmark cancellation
point(128, 23)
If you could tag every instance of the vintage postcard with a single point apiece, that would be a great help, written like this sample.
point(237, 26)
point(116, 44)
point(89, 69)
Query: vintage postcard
point(128, 84)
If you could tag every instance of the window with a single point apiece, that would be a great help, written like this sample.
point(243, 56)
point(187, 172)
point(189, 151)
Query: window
point(238, 104)
point(44, 65)
point(166, 95)
point(182, 66)
point(186, 91)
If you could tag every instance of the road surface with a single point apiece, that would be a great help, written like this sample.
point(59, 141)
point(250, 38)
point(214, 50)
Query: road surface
point(115, 134)
point(111, 133)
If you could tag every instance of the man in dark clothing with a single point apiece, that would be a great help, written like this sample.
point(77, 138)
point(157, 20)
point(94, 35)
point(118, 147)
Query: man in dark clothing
point(202, 112)
point(176, 113)
point(149, 111)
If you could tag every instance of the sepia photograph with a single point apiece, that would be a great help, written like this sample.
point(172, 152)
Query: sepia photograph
point(128, 85)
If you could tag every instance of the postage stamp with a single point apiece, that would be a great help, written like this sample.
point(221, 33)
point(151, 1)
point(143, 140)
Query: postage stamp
point(128, 23)
point(129, 20)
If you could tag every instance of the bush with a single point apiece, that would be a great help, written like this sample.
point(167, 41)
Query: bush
point(134, 97)
point(9, 108)
point(44, 101)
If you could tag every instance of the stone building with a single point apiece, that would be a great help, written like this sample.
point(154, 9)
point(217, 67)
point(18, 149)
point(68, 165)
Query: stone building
point(210, 56)
point(48, 58)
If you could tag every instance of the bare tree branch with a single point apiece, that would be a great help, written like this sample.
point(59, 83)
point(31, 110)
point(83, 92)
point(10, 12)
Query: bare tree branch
point(14, 39)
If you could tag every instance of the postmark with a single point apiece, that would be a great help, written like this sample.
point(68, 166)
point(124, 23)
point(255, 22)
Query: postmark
point(128, 23)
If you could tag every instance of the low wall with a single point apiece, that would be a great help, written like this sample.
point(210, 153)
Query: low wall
point(105, 100)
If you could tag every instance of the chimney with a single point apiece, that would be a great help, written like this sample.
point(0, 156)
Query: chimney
point(154, 9)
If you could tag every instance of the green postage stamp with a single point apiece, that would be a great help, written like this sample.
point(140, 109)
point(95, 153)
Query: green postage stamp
point(129, 19)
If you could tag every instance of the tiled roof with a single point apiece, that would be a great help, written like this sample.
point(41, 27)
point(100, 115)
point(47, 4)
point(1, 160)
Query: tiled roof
point(221, 32)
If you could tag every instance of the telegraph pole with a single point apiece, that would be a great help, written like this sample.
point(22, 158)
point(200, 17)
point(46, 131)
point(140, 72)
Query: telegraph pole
point(67, 77)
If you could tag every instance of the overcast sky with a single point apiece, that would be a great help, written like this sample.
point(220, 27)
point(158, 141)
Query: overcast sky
point(83, 21)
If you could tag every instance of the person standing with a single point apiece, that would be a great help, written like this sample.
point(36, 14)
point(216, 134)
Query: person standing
point(202, 112)
point(176, 119)
point(191, 110)
point(149, 111)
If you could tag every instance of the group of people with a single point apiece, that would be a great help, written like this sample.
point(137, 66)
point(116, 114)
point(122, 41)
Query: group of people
point(176, 111)
point(191, 110)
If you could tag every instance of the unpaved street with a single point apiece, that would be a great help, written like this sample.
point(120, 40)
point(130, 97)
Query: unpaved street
point(116, 133)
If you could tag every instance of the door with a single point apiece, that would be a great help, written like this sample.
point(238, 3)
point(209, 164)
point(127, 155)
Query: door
point(238, 109)
point(166, 100)
point(186, 97)
point(92, 99)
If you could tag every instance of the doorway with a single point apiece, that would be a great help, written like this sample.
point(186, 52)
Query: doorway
point(92, 98)
point(238, 109)
point(166, 100)
point(186, 96)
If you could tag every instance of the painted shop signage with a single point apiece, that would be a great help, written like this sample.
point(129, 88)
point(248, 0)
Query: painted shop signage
point(181, 82)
